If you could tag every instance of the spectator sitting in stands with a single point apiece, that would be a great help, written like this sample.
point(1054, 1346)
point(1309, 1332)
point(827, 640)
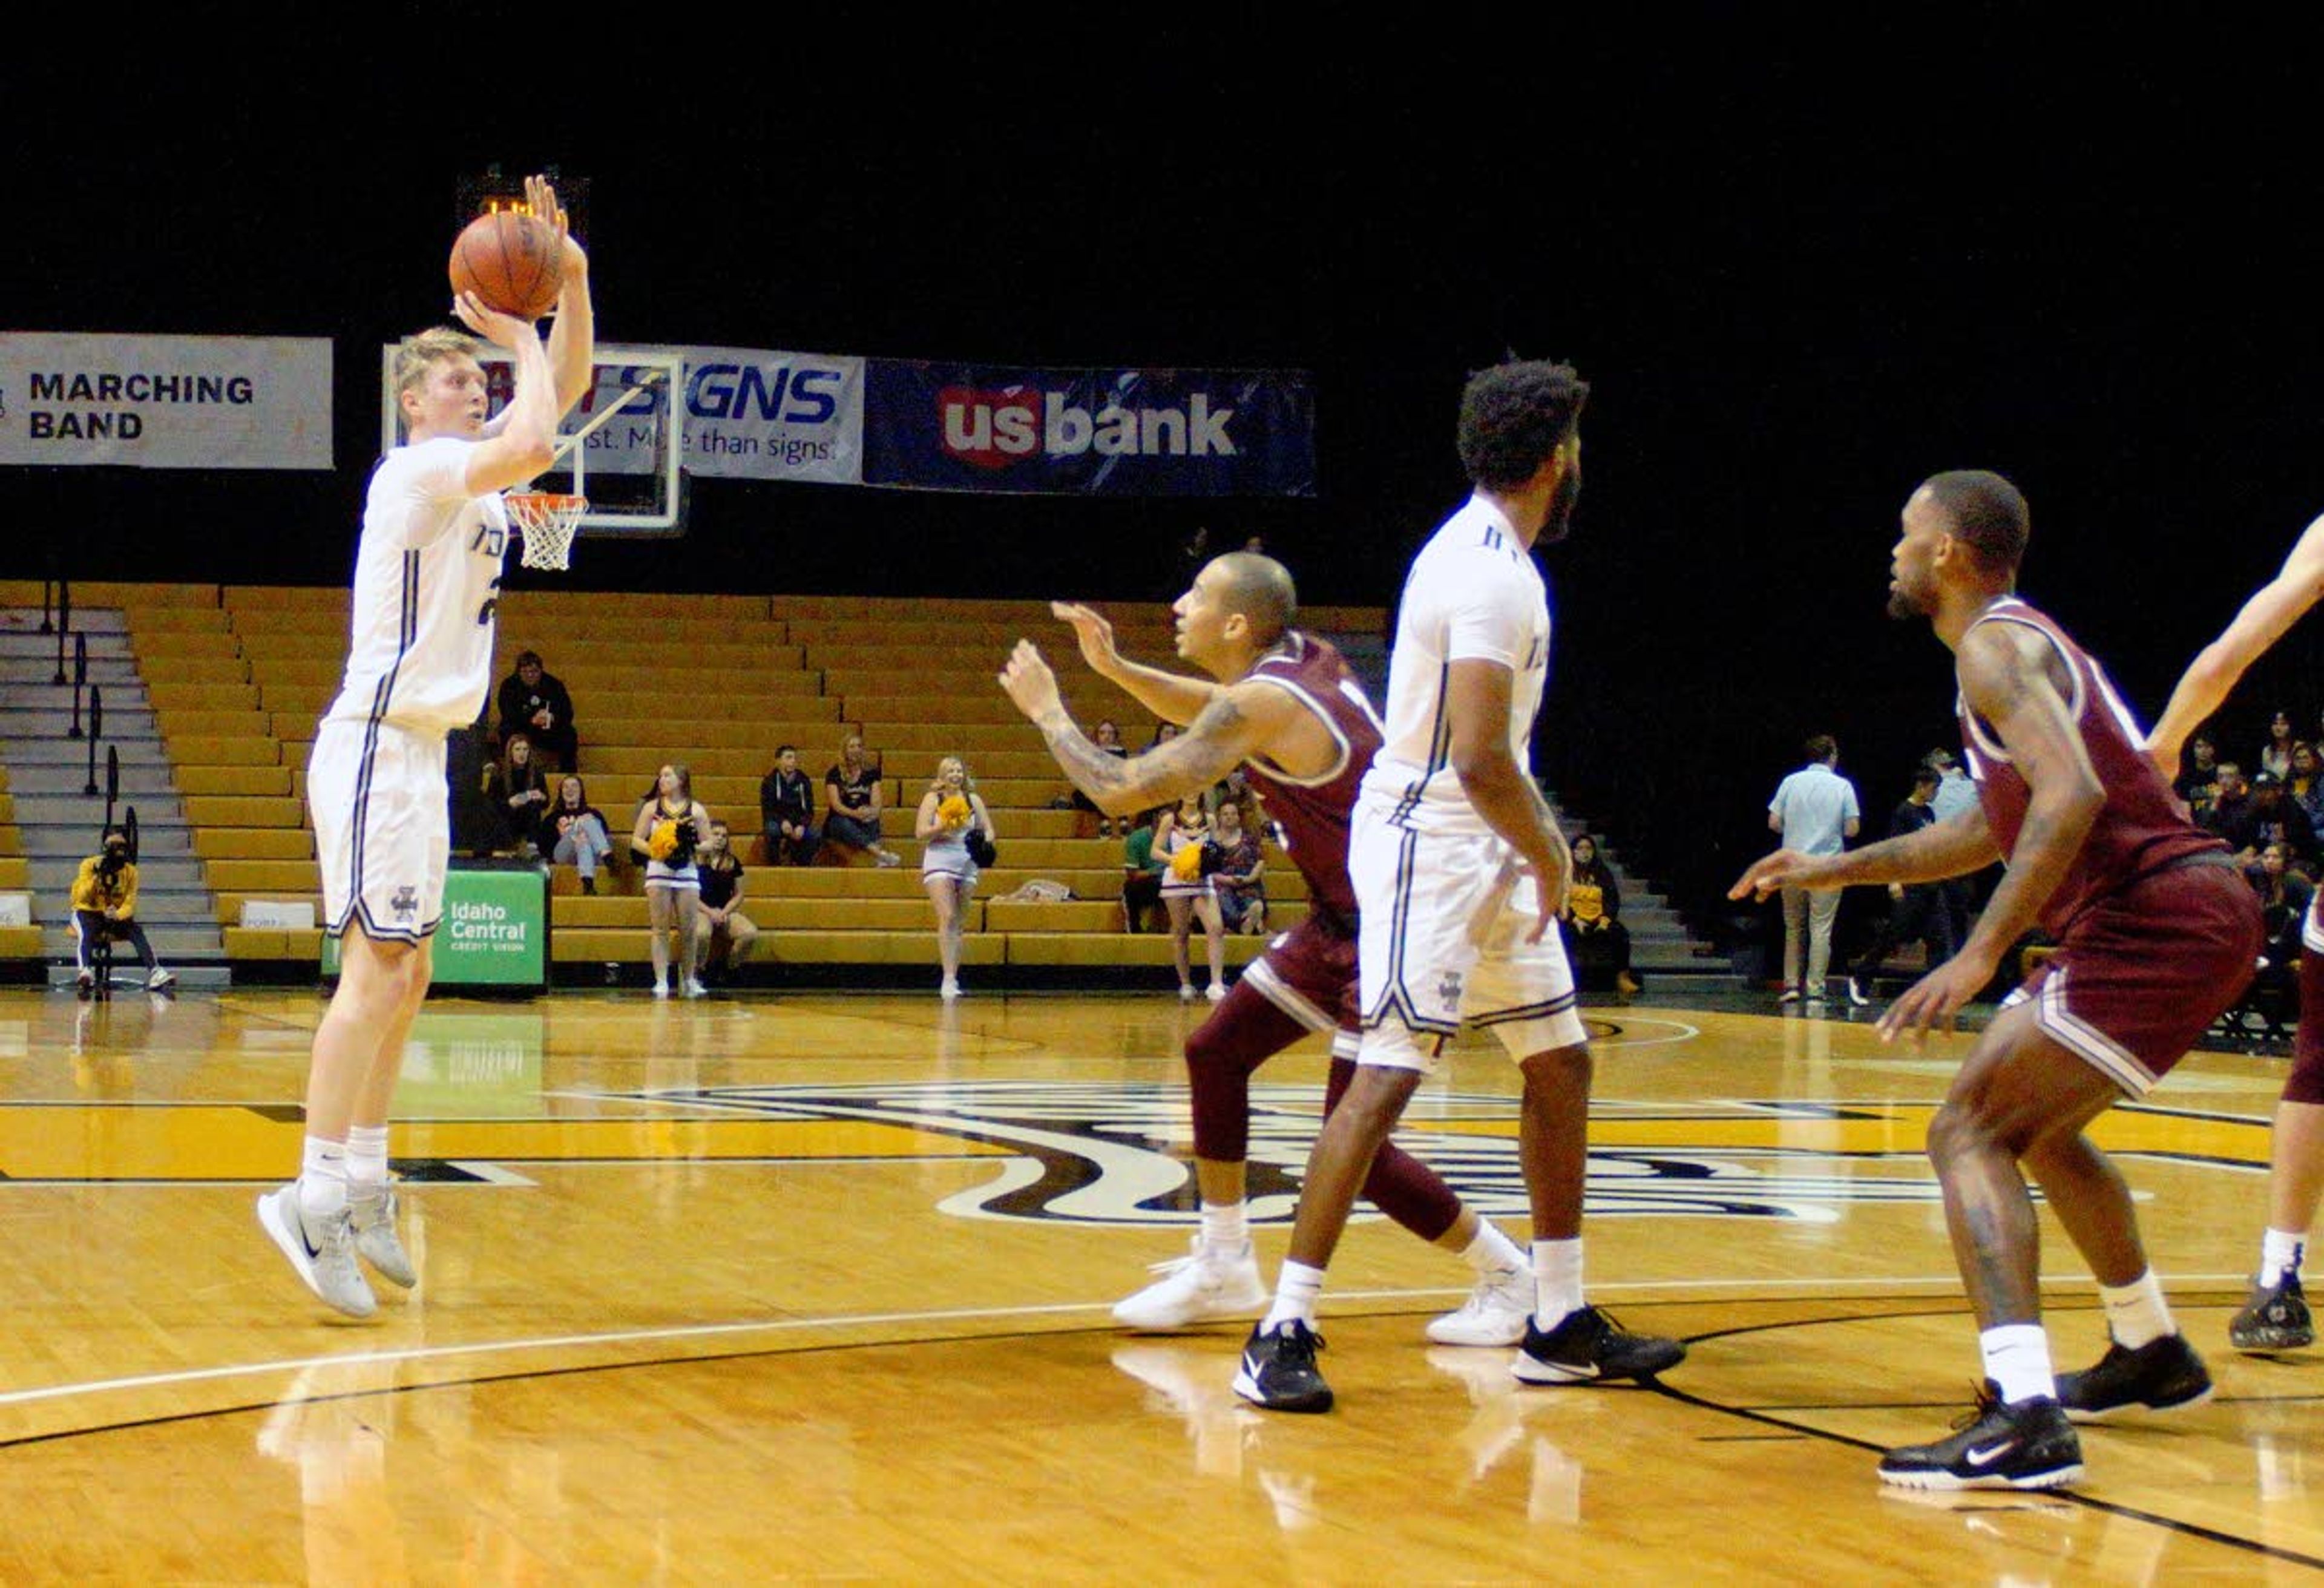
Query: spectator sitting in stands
point(533, 703)
point(1106, 736)
point(1592, 922)
point(2284, 895)
point(2271, 818)
point(726, 934)
point(852, 795)
point(2198, 782)
point(518, 789)
point(2275, 755)
point(786, 807)
point(572, 832)
point(1142, 874)
point(1242, 898)
point(2230, 802)
point(2306, 784)
point(105, 905)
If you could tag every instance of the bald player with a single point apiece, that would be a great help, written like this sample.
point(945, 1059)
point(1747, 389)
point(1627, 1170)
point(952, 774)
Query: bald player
point(1284, 704)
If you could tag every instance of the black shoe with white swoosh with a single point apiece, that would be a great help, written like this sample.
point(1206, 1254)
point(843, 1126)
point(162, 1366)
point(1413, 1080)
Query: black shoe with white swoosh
point(1279, 1371)
point(1588, 1347)
point(2014, 1445)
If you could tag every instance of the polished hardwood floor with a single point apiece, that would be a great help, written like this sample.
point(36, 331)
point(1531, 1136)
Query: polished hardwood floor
point(815, 1287)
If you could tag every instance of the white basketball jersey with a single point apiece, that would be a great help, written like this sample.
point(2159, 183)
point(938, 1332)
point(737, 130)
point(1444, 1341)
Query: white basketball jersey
point(428, 575)
point(1474, 594)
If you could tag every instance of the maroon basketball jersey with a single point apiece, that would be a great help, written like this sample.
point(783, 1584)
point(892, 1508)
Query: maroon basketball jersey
point(1313, 812)
point(2139, 829)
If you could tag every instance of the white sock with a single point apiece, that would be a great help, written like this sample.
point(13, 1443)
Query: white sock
point(1556, 1280)
point(1295, 1297)
point(1225, 1227)
point(2137, 1312)
point(2281, 1253)
point(1492, 1252)
point(323, 1177)
point(367, 1157)
point(2017, 1359)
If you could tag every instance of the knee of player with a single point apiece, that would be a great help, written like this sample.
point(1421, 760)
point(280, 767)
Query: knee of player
point(1568, 1065)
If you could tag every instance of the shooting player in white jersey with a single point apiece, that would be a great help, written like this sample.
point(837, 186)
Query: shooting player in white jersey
point(427, 573)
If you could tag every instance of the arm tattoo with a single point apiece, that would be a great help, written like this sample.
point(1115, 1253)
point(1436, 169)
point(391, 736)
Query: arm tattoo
point(1210, 747)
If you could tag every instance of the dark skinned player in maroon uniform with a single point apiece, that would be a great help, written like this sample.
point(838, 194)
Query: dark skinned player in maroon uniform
point(1284, 707)
point(2157, 934)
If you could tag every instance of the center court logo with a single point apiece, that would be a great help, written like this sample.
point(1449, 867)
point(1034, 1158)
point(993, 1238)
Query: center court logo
point(1104, 1153)
point(996, 429)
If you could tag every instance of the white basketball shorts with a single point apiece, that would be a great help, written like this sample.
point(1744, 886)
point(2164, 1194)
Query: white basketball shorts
point(382, 828)
point(1441, 943)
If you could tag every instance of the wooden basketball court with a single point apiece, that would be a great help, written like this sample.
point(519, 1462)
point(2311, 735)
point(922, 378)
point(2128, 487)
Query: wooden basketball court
point(816, 1286)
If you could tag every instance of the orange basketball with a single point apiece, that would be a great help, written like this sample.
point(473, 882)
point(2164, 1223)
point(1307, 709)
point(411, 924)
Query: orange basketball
point(511, 261)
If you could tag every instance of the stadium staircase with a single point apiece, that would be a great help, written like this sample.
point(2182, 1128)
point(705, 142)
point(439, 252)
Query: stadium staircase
point(57, 821)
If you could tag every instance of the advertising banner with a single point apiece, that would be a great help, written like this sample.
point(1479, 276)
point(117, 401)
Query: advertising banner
point(494, 931)
point(1114, 432)
point(138, 402)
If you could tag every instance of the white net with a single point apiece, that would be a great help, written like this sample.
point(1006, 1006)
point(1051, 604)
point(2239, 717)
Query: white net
point(547, 521)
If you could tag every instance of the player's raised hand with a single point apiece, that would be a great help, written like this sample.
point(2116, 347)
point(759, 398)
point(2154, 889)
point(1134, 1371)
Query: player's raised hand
point(1090, 628)
point(1786, 868)
point(540, 198)
point(1027, 681)
point(501, 331)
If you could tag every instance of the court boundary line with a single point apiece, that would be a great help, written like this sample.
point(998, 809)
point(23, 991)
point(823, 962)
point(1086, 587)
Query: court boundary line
point(394, 1356)
point(2066, 1494)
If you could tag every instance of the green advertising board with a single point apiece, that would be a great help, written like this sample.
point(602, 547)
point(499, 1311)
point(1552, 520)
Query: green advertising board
point(494, 931)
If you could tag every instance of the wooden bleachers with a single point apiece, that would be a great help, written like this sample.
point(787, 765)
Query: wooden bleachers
point(239, 683)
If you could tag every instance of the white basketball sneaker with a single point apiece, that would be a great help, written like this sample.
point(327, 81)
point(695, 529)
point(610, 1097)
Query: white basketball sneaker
point(1494, 1315)
point(323, 1254)
point(373, 1212)
point(1206, 1284)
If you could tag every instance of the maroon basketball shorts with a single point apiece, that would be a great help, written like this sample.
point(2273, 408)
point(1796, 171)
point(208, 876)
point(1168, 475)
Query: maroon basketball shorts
point(2142, 974)
point(1309, 973)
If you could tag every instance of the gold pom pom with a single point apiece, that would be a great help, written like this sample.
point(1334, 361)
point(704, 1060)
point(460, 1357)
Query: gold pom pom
point(662, 843)
point(954, 811)
point(1186, 865)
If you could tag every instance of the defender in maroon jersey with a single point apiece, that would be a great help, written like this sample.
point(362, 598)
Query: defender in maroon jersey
point(1286, 707)
point(2156, 935)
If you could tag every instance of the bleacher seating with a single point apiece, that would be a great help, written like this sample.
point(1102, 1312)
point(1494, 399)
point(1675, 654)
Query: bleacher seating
point(238, 677)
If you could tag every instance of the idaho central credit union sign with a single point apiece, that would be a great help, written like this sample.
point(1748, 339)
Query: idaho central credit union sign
point(1116, 432)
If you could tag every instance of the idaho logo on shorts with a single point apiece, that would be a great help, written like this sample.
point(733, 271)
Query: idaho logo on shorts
point(1448, 991)
point(406, 902)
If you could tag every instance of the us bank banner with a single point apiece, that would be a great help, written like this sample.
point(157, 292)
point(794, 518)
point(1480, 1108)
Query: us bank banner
point(146, 402)
point(1111, 432)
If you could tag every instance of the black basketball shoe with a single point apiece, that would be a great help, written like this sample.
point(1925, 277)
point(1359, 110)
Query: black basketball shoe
point(2023, 1445)
point(1278, 1370)
point(2161, 1374)
point(1588, 1346)
point(2275, 1318)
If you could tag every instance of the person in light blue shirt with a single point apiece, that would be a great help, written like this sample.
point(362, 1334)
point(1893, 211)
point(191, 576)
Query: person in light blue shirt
point(1815, 812)
point(1955, 793)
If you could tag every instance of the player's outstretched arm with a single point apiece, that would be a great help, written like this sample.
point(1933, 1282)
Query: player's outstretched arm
point(1479, 701)
point(1239, 721)
point(2005, 679)
point(1951, 849)
point(2264, 619)
point(525, 444)
point(1172, 696)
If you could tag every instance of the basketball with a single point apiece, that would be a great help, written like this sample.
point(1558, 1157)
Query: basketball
point(511, 261)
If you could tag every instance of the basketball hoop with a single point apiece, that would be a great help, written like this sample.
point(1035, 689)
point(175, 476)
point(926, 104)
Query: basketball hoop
point(548, 521)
